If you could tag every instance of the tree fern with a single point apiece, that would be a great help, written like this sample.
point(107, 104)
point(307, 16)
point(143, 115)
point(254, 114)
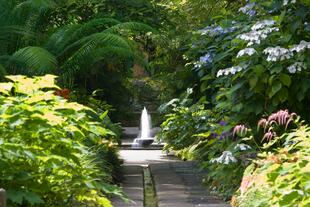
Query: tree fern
point(130, 26)
point(108, 53)
point(70, 34)
point(33, 60)
point(58, 41)
point(87, 46)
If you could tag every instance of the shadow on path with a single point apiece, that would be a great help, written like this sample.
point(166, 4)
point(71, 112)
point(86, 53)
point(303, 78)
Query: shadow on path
point(177, 183)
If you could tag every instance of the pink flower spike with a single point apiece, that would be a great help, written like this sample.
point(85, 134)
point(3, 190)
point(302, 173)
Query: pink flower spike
point(262, 123)
point(240, 129)
point(281, 118)
point(269, 135)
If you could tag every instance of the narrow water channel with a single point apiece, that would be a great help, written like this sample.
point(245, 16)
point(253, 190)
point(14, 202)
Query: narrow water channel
point(150, 198)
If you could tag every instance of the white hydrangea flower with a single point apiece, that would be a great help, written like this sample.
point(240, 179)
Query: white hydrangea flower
point(286, 2)
point(262, 24)
point(215, 30)
point(303, 45)
point(297, 66)
point(189, 90)
point(232, 70)
point(256, 36)
point(277, 53)
point(226, 158)
point(246, 51)
point(242, 147)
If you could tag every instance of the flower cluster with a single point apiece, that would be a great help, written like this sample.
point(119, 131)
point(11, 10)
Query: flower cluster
point(269, 135)
point(280, 118)
point(242, 147)
point(256, 36)
point(262, 24)
point(206, 59)
point(248, 9)
point(297, 66)
point(226, 158)
point(231, 70)
point(303, 45)
point(247, 51)
point(277, 53)
point(286, 2)
point(215, 30)
point(241, 130)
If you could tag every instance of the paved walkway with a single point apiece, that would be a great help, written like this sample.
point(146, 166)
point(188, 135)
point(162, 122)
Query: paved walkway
point(177, 183)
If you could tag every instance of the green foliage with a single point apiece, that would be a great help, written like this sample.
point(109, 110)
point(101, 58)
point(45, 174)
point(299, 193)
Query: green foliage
point(182, 124)
point(249, 84)
point(53, 152)
point(280, 177)
point(72, 40)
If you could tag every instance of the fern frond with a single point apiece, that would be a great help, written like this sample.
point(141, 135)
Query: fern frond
point(70, 34)
point(34, 61)
point(58, 41)
point(12, 29)
point(109, 54)
point(130, 26)
point(86, 47)
point(93, 41)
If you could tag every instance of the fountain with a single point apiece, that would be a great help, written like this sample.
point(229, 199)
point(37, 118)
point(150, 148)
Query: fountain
point(144, 139)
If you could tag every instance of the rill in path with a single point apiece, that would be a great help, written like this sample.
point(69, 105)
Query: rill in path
point(150, 173)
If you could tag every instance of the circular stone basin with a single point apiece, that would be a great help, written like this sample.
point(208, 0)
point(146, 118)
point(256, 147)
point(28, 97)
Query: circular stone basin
point(145, 142)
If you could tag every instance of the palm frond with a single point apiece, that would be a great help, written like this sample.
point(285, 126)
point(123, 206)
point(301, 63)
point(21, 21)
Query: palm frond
point(33, 61)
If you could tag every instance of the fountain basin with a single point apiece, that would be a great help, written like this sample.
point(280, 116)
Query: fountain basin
point(143, 142)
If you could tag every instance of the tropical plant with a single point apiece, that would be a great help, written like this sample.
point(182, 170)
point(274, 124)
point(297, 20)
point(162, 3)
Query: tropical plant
point(50, 147)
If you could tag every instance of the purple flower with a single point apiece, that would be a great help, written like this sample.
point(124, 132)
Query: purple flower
point(224, 135)
point(214, 135)
point(251, 13)
point(207, 58)
point(223, 123)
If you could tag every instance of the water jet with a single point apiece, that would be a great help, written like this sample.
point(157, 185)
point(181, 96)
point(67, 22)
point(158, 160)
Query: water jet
point(144, 139)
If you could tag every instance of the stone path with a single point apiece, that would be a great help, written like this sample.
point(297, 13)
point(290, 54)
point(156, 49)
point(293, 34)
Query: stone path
point(177, 183)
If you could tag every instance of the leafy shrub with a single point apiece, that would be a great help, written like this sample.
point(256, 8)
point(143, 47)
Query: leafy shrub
point(279, 177)
point(49, 147)
point(182, 124)
point(254, 61)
